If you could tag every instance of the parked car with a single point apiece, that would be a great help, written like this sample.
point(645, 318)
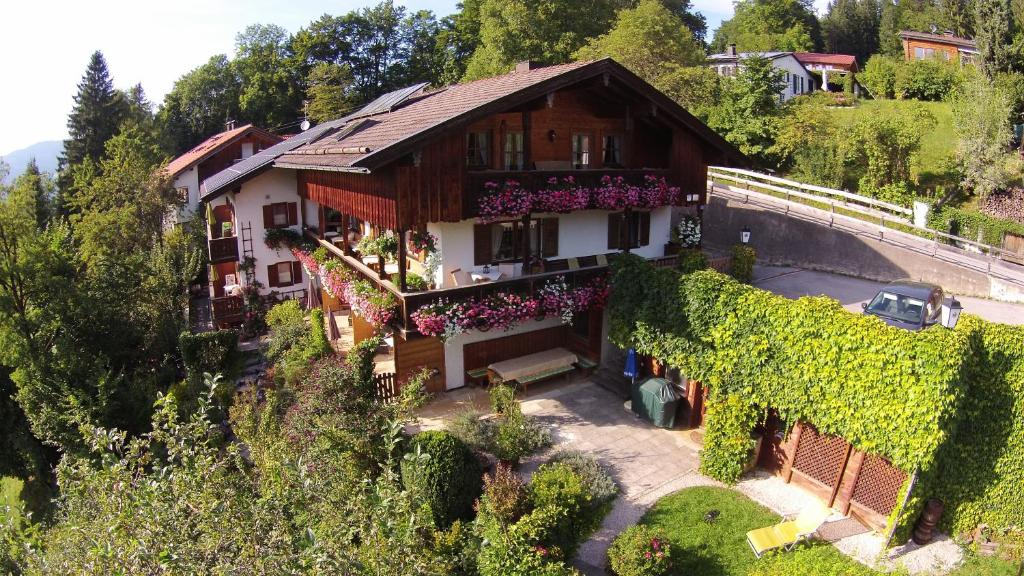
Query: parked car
point(907, 304)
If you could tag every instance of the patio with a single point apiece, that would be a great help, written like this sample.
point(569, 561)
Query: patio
point(649, 463)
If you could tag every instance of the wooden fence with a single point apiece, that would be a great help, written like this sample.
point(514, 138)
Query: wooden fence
point(387, 386)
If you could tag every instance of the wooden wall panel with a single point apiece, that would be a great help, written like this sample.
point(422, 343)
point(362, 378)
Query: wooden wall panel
point(361, 329)
point(369, 197)
point(688, 163)
point(481, 354)
point(411, 356)
point(432, 191)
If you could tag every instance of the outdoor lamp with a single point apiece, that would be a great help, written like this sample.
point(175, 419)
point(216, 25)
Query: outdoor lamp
point(745, 235)
point(951, 309)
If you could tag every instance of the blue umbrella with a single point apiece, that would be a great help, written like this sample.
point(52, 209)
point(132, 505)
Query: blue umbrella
point(630, 371)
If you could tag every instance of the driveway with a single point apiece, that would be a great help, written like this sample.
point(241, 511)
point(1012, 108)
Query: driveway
point(851, 292)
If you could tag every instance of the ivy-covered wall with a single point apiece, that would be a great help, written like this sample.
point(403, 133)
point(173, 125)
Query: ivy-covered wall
point(908, 396)
point(974, 225)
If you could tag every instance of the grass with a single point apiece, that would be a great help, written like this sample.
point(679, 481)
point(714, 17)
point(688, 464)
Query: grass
point(10, 496)
point(937, 145)
point(719, 548)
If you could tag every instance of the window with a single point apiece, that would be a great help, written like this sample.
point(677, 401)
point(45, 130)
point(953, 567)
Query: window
point(786, 76)
point(183, 195)
point(478, 149)
point(634, 236)
point(503, 241)
point(794, 84)
point(514, 151)
point(919, 53)
point(284, 274)
point(280, 215)
point(581, 151)
point(612, 150)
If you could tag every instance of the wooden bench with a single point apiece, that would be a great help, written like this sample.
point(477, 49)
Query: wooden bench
point(586, 364)
point(525, 370)
point(525, 381)
point(477, 376)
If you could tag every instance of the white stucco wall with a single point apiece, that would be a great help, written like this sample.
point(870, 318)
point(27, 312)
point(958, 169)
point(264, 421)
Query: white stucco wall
point(789, 64)
point(454, 367)
point(583, 233)
point(275, 185)
point(184, 212)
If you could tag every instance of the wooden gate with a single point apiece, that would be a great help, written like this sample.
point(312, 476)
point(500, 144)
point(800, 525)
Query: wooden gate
point(863, 485)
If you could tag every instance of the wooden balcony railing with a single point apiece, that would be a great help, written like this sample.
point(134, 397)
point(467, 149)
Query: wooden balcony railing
point(538, 179)
point(228, 311)
point(224, 249)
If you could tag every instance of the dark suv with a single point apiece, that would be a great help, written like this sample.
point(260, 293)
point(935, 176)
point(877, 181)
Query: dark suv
point(907, 304)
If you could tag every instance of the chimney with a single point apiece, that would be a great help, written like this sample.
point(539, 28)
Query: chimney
point(229, 125)
point(526, 66)
point(730, 50)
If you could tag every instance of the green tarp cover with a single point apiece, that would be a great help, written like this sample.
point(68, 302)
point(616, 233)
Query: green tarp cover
point(656, 400)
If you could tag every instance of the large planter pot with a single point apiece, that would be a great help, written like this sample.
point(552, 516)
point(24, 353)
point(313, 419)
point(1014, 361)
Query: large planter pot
point(924, 531)
point(671, 249)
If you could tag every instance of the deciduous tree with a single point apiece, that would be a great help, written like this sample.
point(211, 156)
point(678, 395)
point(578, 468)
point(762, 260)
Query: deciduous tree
point(199, 104)
point(764, 25)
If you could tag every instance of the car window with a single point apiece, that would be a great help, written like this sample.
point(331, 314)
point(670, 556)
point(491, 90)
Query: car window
point(897, 306)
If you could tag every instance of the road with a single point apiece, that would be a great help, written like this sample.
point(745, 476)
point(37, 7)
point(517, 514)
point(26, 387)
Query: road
point(851, 292)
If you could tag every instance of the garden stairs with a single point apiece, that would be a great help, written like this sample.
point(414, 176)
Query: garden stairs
point(609, 375)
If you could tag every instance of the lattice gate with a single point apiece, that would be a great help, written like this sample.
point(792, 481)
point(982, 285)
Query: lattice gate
point(864, 485)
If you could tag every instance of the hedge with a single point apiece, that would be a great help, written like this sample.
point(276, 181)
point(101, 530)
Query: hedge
point(450, 480)
point(973, 225)
point(946, 404)
point(214, 352)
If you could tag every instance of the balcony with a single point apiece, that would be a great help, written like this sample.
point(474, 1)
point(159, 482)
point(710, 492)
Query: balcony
point(223, 249)
point(538, 179)
point(228, 312)
point(409, 302)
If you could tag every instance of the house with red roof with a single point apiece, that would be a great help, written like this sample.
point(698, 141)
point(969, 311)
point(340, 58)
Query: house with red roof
point(209, 157)
point(836, 66)
point(494, 206)
point(947, 46)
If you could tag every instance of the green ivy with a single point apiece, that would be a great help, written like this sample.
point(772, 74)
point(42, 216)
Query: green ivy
point(948, 404)
point(974, 225)
point(742, 265)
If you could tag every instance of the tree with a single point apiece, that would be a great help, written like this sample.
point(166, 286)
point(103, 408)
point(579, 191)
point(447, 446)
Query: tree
point(95, 117)
point(269, 94)
point(765, 25)
point(329, 92)
point(748, 114)
point(199, 104)
point(546, 31)
point(813, 144)
point(420, 58)
point(649, 40)
point(889, 143)
point(851, 27)
point(697, 89)
point(42, 188)
point(693, 20)
point(981, 119)
point(879, 75)
point(958, 16)
point(994, 36)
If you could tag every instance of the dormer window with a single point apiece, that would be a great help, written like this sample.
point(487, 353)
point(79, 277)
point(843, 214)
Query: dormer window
point(478, 149)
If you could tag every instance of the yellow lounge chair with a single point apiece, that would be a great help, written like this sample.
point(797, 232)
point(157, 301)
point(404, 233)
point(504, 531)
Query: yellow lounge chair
point(788, 533)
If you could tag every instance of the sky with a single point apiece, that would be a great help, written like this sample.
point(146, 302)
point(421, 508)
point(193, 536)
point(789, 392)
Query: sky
point(47, 45)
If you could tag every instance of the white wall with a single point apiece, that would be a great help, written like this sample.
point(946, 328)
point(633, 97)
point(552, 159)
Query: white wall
point(183, 213)
point(789, 64)
point(454, 366)
point(275, 185)
point(582, 233)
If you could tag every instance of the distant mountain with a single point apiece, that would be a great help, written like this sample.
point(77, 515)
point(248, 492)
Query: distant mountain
point(45, 154)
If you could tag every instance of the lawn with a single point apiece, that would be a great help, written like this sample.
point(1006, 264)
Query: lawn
point(10, 496)
point(719, 548)
point(937, 145)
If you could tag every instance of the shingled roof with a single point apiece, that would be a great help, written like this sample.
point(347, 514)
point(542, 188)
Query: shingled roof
point(211, 146)
point(845, 61)
point(372, 141)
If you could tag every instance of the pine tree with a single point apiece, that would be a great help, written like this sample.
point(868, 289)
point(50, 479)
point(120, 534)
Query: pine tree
point(96, 116)
point(851, 27)
point(994, 35)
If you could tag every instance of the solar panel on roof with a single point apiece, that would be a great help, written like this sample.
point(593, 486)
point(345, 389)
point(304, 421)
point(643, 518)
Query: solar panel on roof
point(386, 102)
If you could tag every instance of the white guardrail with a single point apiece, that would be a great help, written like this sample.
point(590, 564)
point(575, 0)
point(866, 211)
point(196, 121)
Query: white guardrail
point(747, 183)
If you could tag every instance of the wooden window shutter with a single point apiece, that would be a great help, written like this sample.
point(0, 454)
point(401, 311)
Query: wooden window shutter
point(614, 228)
point(293, 213)
point(549, 232)
point(644, 221)
point(272, 281)
point(482, 244)
point(268, 216)
point(296, 272)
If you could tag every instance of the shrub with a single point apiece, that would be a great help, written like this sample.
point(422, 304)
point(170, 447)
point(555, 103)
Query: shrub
point(413, 281)
point(503, 399)
point(287, 327)
point(211, 352)
point(729, 423)
point(476, 432)
point(642, 551)
point(504, 496)
point(742, 265)
point(557, 485)
point(278, 238)
point(519, 436)
point(930, 80)
point(879, 76)
point(449, 480)
point(691, 261)
point(687, 233)
point(599, 484)
point(519, 550)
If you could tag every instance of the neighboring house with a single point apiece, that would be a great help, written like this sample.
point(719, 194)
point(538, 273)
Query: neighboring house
point(420, 161)
point(922, 45)
point(798, 80)
point(211, 156)
point(830, 66)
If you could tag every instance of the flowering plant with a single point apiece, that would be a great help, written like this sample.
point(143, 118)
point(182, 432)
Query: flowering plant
point(640, 551)
point(506, 310)
point(616, 194)
point(422, 241)
point(503, 201)
point(687, 232)
point(376, 307)
point(561, 196)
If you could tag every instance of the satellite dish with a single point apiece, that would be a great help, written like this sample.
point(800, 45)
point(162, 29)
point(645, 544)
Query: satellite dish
point(304, 125)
